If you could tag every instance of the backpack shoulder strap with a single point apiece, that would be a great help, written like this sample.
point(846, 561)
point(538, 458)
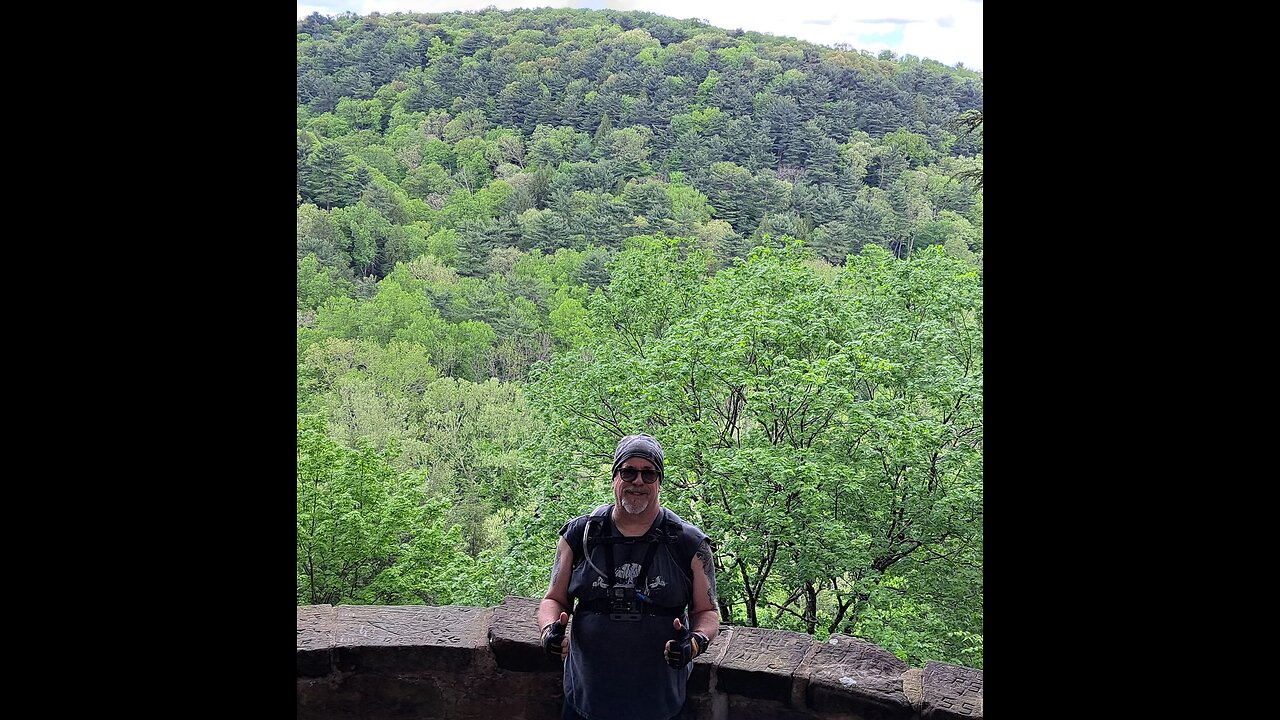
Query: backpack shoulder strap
point(595, 526)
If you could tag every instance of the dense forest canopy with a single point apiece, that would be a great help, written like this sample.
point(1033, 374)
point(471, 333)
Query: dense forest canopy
point(523, 234)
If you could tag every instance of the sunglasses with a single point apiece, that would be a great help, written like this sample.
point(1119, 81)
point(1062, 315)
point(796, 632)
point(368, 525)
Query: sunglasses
point(650, 476)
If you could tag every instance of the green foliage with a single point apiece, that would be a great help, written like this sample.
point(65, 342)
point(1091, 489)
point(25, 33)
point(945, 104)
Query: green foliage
point(328, 178)
point(444, 246)
point(428, 180)
point(318, 236)
point(827, 425)
point(365, 232)
point(474, 432)
point(914, 147)
point(746, 111)
point(366, 535)
point(317, 284)
point(361, 114)
point(735, 194)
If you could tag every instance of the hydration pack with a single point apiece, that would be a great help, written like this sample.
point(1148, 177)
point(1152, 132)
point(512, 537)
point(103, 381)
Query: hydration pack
point(682, 540)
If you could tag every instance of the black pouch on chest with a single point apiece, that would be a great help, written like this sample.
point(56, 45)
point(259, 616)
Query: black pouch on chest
point(624, 602)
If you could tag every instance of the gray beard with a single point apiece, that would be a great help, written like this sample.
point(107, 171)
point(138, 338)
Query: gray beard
point(634, 505)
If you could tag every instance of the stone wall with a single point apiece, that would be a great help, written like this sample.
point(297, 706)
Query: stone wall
point(401, 662)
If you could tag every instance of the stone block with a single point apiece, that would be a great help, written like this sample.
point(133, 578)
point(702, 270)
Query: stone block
point(913, 687)
point(315, 640)
point(951, 692)
point(409, 638)
point(759, 663)
point(703, 665)
point(845, 675)
point(514, 637)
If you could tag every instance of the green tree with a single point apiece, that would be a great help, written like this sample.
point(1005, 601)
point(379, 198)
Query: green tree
point(366, 535)
point(969, 124)
point(318, 236)
point(317, 284)
point(365, 231)
point(827, 425)
point(626, 152)
point(551, 146)
point(736, 196)
point(328, 178)
point(429, 180)
point(689, 210)
point(474, 434)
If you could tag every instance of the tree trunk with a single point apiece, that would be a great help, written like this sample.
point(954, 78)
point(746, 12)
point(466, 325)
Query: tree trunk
point(810, 607)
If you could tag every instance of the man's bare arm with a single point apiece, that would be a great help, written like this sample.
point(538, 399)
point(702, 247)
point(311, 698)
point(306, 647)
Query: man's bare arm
point(704, 615)
point(556, 600)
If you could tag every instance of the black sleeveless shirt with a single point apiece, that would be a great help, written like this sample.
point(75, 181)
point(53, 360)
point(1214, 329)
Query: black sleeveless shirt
point(616, 669)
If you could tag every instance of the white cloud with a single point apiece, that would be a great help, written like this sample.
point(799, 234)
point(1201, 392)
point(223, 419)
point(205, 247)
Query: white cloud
point(948, 31)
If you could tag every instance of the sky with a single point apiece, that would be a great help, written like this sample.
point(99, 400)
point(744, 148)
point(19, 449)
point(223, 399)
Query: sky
point(949, 31)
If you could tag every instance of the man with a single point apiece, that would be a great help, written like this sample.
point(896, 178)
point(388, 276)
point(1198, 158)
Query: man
point(633, 567)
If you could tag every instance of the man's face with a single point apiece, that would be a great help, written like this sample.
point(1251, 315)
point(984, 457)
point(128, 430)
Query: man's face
point(636, 495)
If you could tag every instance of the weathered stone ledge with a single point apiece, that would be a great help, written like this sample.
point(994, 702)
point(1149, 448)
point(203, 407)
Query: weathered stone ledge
point(392, 662)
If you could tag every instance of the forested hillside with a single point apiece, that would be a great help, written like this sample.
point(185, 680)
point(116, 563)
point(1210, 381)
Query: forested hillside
point(524, 234)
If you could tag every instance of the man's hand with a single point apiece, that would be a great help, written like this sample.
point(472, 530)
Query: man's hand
point(683, 649)
point(553, 638)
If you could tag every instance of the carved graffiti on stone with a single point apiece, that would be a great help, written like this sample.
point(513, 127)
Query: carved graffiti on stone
point(954, 688)
point(446, 626)
point(766, 650)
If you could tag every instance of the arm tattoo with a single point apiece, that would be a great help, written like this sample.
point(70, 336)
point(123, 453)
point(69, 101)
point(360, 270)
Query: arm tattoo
point(555, 567)
point(709, 569)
